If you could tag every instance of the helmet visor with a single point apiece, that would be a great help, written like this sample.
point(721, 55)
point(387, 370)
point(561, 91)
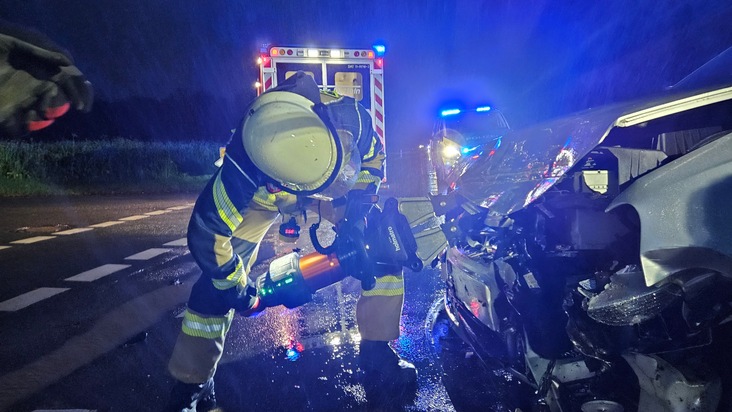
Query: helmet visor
point(346, 176)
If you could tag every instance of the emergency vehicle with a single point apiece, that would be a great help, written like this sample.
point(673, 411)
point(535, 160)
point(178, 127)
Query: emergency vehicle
point(358, 73)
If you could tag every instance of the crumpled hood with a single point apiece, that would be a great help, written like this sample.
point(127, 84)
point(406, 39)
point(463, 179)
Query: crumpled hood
point(524, 164)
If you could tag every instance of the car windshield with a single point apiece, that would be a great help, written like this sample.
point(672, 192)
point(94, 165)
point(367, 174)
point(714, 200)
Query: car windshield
point(472, 127)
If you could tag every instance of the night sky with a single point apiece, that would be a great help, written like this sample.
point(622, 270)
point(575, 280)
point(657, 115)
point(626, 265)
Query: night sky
point(535, 59)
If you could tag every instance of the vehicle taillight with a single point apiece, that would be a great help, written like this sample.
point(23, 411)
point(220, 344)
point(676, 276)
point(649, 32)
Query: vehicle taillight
point(379, 63)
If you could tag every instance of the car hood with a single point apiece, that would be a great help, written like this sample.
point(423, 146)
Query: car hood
point(523, 164)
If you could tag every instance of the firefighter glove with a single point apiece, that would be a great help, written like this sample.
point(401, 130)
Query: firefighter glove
point(38, 84)
point(245, 300)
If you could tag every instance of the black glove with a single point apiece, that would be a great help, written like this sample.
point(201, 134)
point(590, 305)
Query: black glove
point(245, 300)
point(359, 202)
point(206, 298)
point(38, 84)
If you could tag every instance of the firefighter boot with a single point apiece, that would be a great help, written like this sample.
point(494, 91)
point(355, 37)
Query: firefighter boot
point(191, 397)
point(387, 379)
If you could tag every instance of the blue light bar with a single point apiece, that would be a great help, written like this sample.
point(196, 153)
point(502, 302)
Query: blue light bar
point(483, 109)
point(449, 112)
point(380, 49)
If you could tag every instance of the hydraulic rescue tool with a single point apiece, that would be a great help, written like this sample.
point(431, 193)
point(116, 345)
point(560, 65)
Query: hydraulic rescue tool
point(365, 248)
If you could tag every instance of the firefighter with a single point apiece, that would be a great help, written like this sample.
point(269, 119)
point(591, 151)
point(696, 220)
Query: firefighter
point(38, 82)
point(295, 145)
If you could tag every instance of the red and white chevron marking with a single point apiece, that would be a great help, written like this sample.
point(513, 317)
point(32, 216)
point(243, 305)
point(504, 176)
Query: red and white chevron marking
point(266, 81)
point(379, 106)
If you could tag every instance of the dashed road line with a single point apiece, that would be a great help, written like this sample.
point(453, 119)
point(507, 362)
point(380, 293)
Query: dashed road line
point(27, 299)
point(180, 242)
point(157, 212)
point(37, 295)
point(32, 240)
point(97, 273)
point(107, 333)
point(136, 217)
point(147, 254)
point(98, 225)
point(108, 224)
point(74, 231)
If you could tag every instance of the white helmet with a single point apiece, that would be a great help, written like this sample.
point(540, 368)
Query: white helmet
point(292, 141)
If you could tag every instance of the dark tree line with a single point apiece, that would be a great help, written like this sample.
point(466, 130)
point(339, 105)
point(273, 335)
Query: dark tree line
point(182, 116)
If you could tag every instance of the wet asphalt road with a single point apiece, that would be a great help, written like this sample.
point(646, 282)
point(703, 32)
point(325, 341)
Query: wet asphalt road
point(104, 346)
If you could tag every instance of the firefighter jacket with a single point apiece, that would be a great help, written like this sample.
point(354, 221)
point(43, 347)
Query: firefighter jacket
point(239, 196)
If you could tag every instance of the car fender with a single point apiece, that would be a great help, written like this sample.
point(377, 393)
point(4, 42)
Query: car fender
point(684, 212)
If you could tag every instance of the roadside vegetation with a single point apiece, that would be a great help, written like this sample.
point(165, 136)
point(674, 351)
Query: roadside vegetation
point(110, 166)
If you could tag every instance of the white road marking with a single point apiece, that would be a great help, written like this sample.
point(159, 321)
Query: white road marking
point(180, 207)
point(96, 273)
point(5, 247)
point(157, 212)
point(107, 224)
point(180, 242)
point(32, 240)
point(136, 217)
point(74, 231)
point(107, 333)
point(147, 254)
point(27, 299)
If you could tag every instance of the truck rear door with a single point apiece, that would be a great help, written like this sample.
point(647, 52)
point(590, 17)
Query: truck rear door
point(287, 69)
point(350, 79)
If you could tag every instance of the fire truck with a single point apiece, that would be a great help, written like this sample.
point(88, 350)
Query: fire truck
point(358, 73)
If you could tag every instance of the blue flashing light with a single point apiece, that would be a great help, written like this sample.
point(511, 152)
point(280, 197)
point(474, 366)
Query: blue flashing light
point(466, 149)
point(380, 49)
point(483, 109)
point(449, 112)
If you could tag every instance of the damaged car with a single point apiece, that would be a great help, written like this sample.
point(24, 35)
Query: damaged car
point(591, 256)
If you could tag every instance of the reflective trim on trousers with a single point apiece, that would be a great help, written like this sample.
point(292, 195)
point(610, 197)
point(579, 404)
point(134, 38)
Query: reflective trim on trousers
point(386, 286)
point(206, 327)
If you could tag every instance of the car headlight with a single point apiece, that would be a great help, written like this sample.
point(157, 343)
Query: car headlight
point(451, 152)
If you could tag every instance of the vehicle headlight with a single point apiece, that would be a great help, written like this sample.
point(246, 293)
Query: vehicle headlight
point(451, 152)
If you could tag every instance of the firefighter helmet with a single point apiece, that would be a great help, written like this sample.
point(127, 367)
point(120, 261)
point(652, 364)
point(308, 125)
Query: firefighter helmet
point(293, 141)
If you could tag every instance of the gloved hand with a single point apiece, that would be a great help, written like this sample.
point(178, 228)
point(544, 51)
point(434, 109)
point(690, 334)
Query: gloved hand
point(38, 84)
point(359, 202)
point(245, 300)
